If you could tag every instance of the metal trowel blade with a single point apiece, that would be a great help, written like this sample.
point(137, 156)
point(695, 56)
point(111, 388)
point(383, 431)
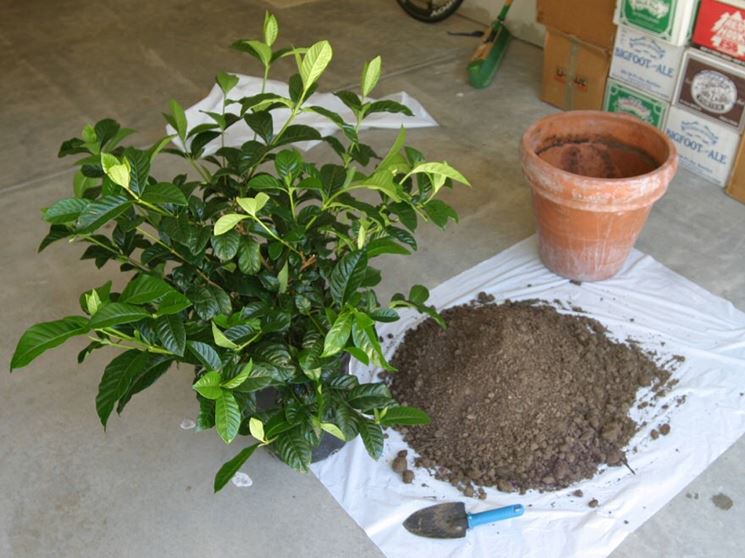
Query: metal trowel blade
point(443, 521)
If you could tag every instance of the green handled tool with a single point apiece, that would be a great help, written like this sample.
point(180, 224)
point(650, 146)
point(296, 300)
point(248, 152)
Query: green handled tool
point(450, 520)
point(488, 56)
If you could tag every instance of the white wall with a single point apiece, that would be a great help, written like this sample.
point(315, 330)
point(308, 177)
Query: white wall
point(520, 19)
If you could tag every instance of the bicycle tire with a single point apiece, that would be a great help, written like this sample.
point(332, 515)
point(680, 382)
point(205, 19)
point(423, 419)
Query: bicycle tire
point(428, 14)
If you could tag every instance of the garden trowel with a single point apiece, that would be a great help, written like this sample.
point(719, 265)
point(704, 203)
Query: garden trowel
point(450, 520)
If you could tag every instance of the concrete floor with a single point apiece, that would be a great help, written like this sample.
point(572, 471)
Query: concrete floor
point(143, 488)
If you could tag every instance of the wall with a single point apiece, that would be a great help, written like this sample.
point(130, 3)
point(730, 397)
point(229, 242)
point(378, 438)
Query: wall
point(520, 19)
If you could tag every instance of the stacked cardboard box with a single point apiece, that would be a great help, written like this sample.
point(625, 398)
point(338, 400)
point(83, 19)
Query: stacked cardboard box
point(579, 36)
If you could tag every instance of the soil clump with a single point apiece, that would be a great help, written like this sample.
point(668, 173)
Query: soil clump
point(521, 396)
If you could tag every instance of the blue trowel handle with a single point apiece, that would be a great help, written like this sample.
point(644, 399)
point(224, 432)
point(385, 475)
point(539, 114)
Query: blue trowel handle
point(491, 516)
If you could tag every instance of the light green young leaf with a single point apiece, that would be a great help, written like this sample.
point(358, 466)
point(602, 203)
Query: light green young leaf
point(315, 62)
point(333, 430)
point(256, 427)
point(221, 340)
point(226, 81)
point(283, 278)
point(118, 172)
point(92, 301)
point(371, 75)
point(262, 51)
point(337, 336)
point(271, 29)
point(208, 385)
point(179, 119)
point(227, 223)
point(439, 170)
point(253, 205)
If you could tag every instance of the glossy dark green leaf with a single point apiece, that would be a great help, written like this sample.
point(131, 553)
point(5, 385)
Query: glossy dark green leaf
point(261, 123)
point(372, 436)
point(145, 288)
point(173, 303)
point(381, 246)
point(350, 99)
point(56, 232)
point(43, 336)
point(388, 106)
point(116, 380)
point(229, 469)
point(439, 213)
point(294, 450)
point(227, 416)
point(296, 133)
point(65, 211)
point(347, 276)
point(155, 368)
point(205, 354)
point(346, 419)
point(366, 397)
point(418, 294)
point(163, 193)
point(102, 211)
point(204, 301)
point(116, 313)
point(225, 246)
point(171, 333)
point(249, 260)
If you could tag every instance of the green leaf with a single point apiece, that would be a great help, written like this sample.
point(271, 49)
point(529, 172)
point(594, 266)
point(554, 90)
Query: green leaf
point(442, 169)
point(171, 333)
point(283, 278)
point(253, 205)
point(205, 302)
point(264, 182)
point(347, 276)
point(155, 368)
point(381, 246)
point(333, 430)
point(256, 428)
point(81, 184)
point(226, 81)
point(116, 313)
point(225, 246)
point(208, 385)
point(261, 123)
point(314, 63)
point(404, 415)
point(173, 303)
point(261, 51)
point(119, 173)
point(371, 75)
point(116, 380)
point(236, 381)
point(372, 437)
point(439, 212)
point(336, 338)
point(162, 193)
point(227, 223)
point(388, 106)
point(418, 294)
point(65, 211)
point(294, 450)
point(221, 340)
point(145, 288)
point(227, 416)
point(249, 260)
point(102, 211)
point(44, 336)
point(56, 232)
point(366, 397)
point(271, 29)
point(229, 469)
point(179, 119)
point(296, 133)
point(346, 419)
point(205, 354)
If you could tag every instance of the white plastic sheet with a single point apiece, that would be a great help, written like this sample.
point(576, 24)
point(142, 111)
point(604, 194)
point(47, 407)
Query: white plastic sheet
point(239, 133)
point(665, 308)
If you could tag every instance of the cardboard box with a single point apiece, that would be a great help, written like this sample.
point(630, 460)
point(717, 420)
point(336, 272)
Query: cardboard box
point(645, 62)
point(669, 20)
point(705, 147)
point(713, 87)
point(736, 185)
point(591, 22)
point(621, 97)
point(574, 72)
point(720, 27)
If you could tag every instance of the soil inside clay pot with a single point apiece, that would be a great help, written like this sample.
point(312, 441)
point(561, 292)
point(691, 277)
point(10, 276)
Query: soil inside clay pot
point(598, 157)
point(521, 396)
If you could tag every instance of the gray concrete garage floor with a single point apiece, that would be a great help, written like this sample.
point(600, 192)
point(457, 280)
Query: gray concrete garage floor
point(143, 489)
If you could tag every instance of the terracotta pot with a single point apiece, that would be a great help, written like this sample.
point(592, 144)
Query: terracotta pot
point(594, 176)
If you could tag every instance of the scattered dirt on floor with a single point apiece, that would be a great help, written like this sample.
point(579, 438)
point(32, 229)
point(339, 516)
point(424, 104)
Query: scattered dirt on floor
point(521, 396)
point(722, 501)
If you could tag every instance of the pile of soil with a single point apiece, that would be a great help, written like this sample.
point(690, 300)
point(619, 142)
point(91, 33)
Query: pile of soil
point(521, 396)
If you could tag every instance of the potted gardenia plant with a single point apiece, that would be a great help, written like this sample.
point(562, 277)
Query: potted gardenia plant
point(258, 272)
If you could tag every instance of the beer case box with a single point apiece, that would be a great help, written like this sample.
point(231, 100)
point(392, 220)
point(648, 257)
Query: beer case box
point(574, 72)
point(713, 87)
point(736, 184)
point(720, 28)
point(645, 62)
point(704, 146)
point(669, 20)
point(591, 22)
point(620, 97)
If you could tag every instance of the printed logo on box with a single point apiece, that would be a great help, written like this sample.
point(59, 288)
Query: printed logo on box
point(714, 92)
point(699, 138)
point(629, 101)
point(643, 52)
point(729, 34)
point(655, 15)
point(635, 107)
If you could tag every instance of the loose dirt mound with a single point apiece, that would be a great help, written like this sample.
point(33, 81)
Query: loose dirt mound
point(520, 395)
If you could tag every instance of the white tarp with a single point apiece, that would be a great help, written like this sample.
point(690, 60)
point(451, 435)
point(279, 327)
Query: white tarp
point(239, 133)
point(665, 307)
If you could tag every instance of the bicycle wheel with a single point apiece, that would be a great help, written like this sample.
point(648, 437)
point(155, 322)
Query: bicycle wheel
point(430, 11)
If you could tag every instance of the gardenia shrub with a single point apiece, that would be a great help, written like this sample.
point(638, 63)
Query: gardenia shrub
point(256, 270)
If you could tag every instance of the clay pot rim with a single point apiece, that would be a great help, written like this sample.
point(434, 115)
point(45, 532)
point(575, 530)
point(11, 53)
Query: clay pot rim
point(670, 164)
